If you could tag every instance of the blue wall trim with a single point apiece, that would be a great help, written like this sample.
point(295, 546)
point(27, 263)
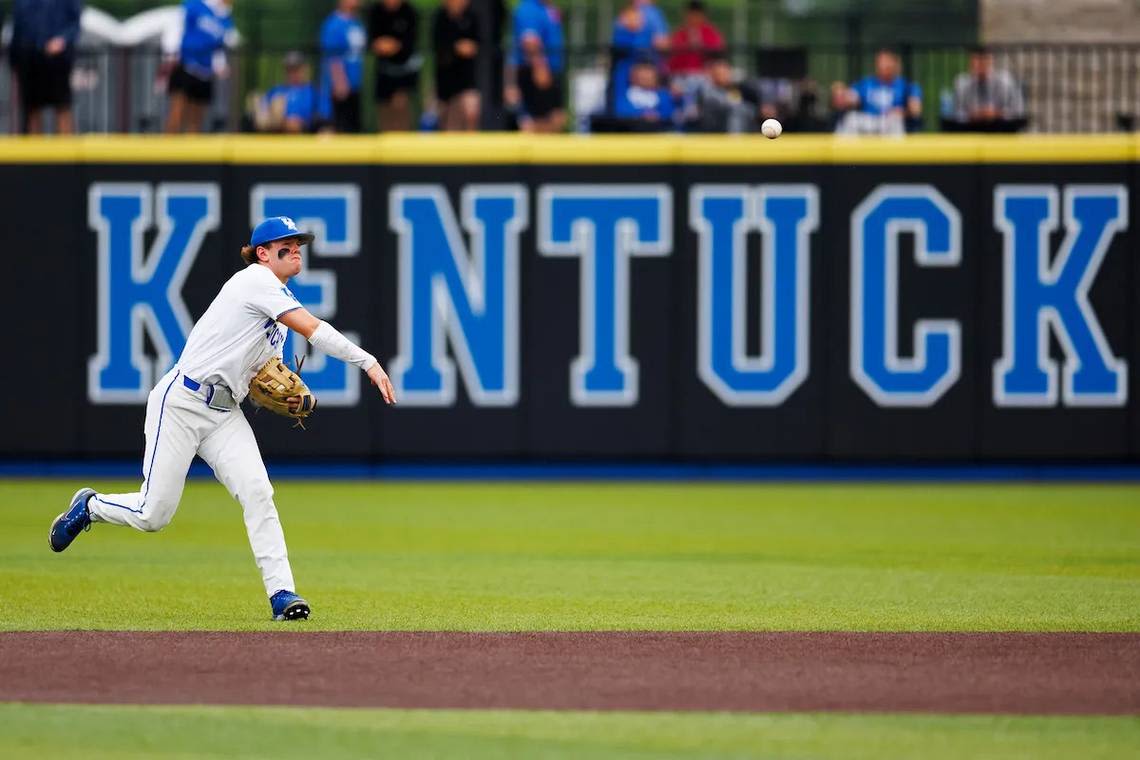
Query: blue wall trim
point(615, 471)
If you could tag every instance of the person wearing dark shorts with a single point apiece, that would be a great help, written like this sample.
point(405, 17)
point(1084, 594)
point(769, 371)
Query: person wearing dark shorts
point(539, 102)
point(392, 34)
point(342, 67)
point(455, 32)
point(198, 91)
point(42, 53)
point(538, 60)
point(208, 28)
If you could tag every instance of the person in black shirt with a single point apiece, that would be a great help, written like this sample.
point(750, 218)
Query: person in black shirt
point(455, 31)
point(392, 26)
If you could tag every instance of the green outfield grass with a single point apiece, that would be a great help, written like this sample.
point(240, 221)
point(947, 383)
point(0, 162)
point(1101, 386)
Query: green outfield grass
point(66, 731)
point(580, 557)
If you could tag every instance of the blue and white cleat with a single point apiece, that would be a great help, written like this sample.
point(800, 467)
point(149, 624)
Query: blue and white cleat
point(71, 523)
point(288, 606)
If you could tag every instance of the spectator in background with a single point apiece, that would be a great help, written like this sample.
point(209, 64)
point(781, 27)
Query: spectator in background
point(207, 29)
point(292, 107)
point(987, 97)
point(44, 33)
point(342, 67)
point(644, 99)
point(392, 31)
point(538, 60)
point(723, 104)
point(693, 42)
point(455, 33)
point(640, 32)
point(883, 103)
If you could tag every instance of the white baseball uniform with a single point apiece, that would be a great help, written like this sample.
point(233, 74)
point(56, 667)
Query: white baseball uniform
point(195, 409)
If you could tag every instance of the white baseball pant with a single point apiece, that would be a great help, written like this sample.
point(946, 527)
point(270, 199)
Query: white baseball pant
point(179, 425)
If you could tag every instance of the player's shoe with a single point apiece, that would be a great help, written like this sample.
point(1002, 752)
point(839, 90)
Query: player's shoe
point(71, 523)
point(288, 606)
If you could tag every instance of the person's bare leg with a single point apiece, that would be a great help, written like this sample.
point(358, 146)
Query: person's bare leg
point(195, 112)
point(401, 111)
point(64, 121)
point(556, 121)
point(35, 121)
point(470, 103)
point(174, 114)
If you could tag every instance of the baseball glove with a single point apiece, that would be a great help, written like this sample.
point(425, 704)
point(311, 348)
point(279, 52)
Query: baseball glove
point(273, 386)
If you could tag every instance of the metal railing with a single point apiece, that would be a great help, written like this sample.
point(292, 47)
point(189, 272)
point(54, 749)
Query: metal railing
point(1068, 88)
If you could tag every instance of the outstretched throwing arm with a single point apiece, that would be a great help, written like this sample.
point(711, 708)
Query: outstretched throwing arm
point(324, 337)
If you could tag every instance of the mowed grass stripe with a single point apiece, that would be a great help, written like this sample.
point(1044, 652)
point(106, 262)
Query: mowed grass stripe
point(531, 556)
point(74, 731)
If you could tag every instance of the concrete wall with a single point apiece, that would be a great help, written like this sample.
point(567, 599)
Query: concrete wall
point(1060, 20)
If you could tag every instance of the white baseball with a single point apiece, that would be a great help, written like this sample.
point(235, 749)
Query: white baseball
point(771, 129)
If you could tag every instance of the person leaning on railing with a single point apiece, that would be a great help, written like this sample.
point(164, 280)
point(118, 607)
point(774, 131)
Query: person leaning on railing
point(881, 103)
point(986, 98)
point(292, 107)
point(392, 34)
point(723, 104)
point(645, 105)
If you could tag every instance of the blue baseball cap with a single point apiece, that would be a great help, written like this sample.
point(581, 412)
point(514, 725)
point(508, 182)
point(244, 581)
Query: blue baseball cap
point(278, 228)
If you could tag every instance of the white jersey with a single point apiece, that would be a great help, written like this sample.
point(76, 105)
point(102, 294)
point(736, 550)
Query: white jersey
point(239, 332)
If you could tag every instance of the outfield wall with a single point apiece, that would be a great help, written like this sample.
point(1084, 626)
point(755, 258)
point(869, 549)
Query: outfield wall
point(697, 299)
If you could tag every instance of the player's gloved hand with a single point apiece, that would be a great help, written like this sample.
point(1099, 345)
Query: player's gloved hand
point(282, 391)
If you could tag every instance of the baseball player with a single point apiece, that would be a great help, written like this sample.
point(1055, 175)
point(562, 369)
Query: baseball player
point(195, 409)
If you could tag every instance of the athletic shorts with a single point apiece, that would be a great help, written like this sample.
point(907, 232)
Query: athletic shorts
point(539, 103)
point(45, 81)
point(346, 114)
point(195, 89)
point(387, 86)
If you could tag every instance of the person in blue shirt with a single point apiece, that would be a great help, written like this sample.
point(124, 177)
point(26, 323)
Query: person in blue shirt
point(208, 28)
point(537, 62)
point(640, 33)
point(885, 93)
point(42, 53)
point(644, 101)
point(292, 107)
point(342, 66)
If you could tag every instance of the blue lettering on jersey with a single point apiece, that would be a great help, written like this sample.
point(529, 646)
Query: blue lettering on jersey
point(1042, 296)
point(140, 291)
point(332, 213)
point(876, 225)
point(446, 294)
point(604, 227)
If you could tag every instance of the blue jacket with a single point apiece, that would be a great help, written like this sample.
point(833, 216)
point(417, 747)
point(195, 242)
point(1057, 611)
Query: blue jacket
point(34, 22)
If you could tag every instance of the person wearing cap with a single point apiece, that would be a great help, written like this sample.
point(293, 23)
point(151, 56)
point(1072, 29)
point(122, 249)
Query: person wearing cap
point(195, 410)
point(292, 107)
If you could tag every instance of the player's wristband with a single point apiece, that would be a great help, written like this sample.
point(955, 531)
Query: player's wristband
point(328, 339)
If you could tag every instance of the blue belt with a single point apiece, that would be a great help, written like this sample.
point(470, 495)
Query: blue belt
point(225, 400)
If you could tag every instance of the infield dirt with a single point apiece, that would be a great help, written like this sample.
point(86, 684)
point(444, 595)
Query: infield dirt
point(1017, 673)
